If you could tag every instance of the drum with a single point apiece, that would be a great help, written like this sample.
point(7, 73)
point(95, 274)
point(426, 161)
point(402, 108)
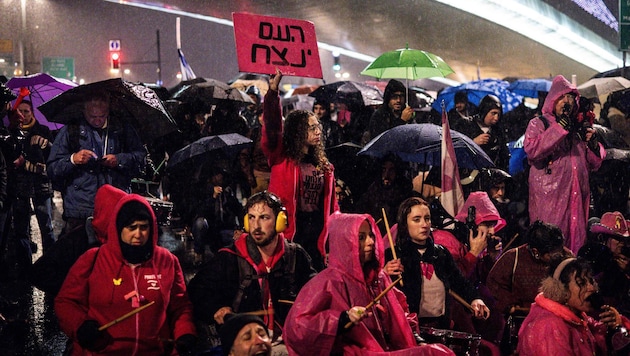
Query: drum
point(162, 210)
point(462, 344)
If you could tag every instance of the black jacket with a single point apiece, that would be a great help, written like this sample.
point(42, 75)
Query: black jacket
point(217, 284)
point(445, 268)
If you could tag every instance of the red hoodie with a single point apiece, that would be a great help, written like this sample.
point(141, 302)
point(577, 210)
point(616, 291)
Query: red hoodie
point(97, 284)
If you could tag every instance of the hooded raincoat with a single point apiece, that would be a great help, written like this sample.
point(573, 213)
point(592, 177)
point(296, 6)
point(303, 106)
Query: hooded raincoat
point(560, 162)
point(311, 327)
point(97, 285)
point(552, 328)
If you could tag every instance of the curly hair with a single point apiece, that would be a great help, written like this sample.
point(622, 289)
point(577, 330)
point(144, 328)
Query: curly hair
point(556, 286)
point(544, 237)
point(295, 136)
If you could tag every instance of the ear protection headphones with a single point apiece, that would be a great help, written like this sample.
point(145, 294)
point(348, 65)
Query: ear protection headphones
point(282, 220)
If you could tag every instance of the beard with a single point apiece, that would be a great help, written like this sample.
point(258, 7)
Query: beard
point(265, 241)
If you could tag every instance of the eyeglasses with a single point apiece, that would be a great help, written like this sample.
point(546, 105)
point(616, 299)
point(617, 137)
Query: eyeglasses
point(398, 96)
point(315, 128)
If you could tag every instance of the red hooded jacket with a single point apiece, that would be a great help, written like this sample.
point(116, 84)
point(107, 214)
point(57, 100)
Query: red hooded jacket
point(97, 284)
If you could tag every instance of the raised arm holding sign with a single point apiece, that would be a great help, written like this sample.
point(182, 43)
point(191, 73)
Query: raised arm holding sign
point(264, 43)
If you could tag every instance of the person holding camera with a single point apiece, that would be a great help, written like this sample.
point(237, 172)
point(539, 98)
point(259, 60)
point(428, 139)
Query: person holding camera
point(562, 151)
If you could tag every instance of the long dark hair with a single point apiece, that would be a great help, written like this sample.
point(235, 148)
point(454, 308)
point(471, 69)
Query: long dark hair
point(295, 136)
point(403, 211)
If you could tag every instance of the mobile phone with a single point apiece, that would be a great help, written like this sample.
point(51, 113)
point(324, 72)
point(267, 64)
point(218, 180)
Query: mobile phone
point(470, 220)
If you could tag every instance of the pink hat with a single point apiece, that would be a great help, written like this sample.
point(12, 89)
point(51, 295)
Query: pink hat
point(611, 224)
point(486, 211)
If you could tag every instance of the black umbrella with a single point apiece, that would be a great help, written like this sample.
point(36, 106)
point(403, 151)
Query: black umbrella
point(210, 92)
point(224, 146)
point(129, 101)
point(422, 143)
point(348, 92)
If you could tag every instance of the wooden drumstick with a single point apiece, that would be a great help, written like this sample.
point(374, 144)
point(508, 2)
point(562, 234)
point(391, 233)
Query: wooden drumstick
point(378, 297)
point(389, 237)
point(389, 234)
point(131, 313)
point(259, 312)
point(461, 300)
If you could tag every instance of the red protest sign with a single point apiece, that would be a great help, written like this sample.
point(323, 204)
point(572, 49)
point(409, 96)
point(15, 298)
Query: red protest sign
point(264, 43)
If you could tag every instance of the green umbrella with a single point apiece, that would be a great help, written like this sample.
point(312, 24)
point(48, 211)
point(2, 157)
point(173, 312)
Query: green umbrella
point(407, 64)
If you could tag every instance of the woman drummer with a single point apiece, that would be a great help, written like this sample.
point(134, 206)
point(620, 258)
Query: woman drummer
point(429, 269)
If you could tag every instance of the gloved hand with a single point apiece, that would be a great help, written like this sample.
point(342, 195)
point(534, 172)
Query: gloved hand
point(37, 140)
point(37, 168)
point(185, 344)
point(565, 122)
point(90, 338)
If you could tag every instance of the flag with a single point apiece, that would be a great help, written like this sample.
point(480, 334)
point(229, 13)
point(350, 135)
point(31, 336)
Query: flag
point(187, 72)
point(452, 197)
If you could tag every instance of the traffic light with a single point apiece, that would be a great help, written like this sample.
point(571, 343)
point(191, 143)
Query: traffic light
point(336, 65)
point(115, 60)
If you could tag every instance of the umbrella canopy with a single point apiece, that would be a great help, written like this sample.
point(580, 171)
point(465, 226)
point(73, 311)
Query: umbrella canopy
point(596, 87)
point(409, 64)
point(348, 92)
point(42, 87)
point(476, 90)
point(134, 102)
point(210, 92)
point(227, 146)
point(422, 143)
point(530, 87)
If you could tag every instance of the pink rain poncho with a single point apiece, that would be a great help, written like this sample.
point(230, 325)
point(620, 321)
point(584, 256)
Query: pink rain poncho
point(559, 192)
point(311, 327)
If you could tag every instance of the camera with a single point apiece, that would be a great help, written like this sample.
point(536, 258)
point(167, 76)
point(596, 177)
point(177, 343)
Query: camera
point(470, 224)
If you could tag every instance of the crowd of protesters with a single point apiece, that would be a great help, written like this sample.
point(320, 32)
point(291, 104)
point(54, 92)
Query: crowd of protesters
point(302, 258)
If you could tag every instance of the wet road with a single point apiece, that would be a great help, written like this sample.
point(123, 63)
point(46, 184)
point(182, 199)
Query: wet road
point(28, 325)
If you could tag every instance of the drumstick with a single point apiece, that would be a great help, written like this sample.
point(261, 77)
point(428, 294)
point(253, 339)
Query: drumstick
point(285, 301)
point(259, 312)
point(506, 247)
point(378, 297)
point(131, 313)
point(389, 234)
point(461, 300)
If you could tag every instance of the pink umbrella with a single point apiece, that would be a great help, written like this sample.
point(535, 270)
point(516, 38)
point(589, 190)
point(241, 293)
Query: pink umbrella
point(42, 87)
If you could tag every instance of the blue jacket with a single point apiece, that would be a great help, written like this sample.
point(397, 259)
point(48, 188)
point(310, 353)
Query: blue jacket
point(78, 183)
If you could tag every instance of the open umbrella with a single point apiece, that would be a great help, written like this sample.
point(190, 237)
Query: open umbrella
point(596, 87)
point(42, 87)
point(210, 92)
point(134, 102)
point(348, 92)
point(225, 146)
point(530, 87)
point(409, 64)
point(476, 90)
point(422, 143)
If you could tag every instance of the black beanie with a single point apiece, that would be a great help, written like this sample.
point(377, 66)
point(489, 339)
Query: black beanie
point(130, 212)
point(233, 324)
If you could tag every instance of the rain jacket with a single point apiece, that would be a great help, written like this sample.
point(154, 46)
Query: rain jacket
point(384, 118)
point(285, 172)
point(79, 183)
point(552, 328)
point(312, 324)
point(559, 192)
point(97, 284)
